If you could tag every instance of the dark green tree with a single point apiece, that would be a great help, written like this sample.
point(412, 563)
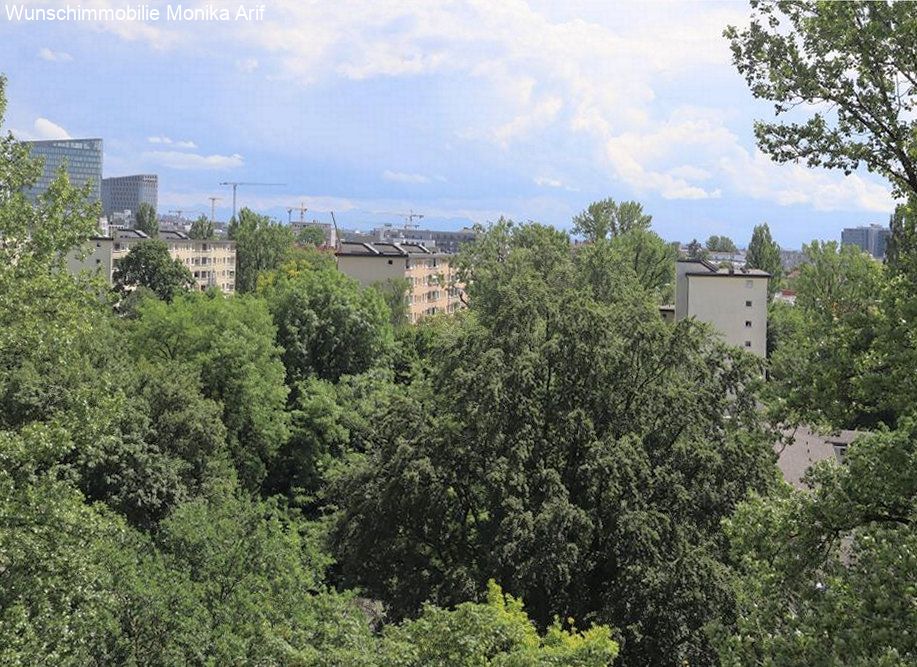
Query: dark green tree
point(148, 264)
point(901, 248)
point(851, 63)
point(720, 244)
point(395, 292)
point(696, 250)
point(262, 244)
point(311, 235)
point(202, 228)
point(607, 218)
point(327, 324)
point(146, 221)
point(763, 253)
point(231, 344)
point(826, 574)
point(565, 442)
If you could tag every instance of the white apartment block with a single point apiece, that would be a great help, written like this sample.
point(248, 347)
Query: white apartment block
point(212, 263)
point(431, 275)
point(734, 301)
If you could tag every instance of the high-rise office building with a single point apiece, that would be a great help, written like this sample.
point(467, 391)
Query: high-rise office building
point(83, 160)
point(872, 239)
point(126, 193)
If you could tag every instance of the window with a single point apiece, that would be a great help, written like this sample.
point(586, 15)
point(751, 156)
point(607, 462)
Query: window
point(749, 283)
point(748, 324)
point(748, 343)
point(389, 261)
point(748, 304)
point(840, 451)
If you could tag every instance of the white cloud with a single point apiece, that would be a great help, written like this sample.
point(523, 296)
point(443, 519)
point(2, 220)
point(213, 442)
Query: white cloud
point(247, 65)
point(169, 142)
point(54, 56)
point(401, 177)
point(177, 160)
point(45, 129)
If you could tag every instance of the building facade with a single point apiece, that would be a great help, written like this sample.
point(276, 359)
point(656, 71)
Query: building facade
point(430, 275)
point(733, 301)
point(211, 263)
point(126, 193)
point(325, 228)
point(872, 239)
point(82, 159)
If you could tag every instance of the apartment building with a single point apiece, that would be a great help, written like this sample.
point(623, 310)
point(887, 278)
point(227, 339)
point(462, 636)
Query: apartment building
point(733, 300)
point(872, 239)
point(212, 263)
point(430, 274)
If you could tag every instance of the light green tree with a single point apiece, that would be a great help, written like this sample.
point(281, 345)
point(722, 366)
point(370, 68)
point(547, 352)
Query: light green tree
point(763, 253)
point(148, 264)
point(202, 228)
point(146, 221)
point(607, 218)
point(262, 244)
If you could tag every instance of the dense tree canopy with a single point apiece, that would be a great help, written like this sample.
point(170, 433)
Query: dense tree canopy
point(607, 218)
point(202, 228)
point(717, 243)
point(148, 264)
point(262, 244)
point(568, 444)
point(146, 221)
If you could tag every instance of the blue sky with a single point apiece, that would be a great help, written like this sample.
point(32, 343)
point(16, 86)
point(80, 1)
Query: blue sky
point(462, 111)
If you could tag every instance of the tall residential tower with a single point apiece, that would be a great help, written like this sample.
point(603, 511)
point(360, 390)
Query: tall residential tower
point(82, 159)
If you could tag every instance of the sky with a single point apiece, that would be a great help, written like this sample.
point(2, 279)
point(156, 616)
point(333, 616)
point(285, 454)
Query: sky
point(460, 111)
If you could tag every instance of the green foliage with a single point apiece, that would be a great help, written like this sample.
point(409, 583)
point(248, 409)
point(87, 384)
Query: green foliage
point(311, 235)
point(696, 250)
point(497, 633)
point(607, 218)
point(763, 253)
point(149, 264)
point(827, 576)
point(824, 370)
point(230, 342)
point(566, 442)
point(901, 248)
point(202, 228)
point(262, 244)
point(720, 244)
point(395, 291)
point(851, 62)
point(651, 258)
point(327, 325)
point(145, 220)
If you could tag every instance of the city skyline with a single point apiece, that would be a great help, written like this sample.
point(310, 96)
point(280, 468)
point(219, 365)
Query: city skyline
point(463, 112)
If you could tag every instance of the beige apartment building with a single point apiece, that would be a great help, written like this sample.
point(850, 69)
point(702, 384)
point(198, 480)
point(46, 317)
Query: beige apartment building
point(733, 300)
point(212, 263)
point(430, 274)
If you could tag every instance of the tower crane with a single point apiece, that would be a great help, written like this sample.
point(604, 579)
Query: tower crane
point(213, 202)
point(302, 212)
point(236, 184)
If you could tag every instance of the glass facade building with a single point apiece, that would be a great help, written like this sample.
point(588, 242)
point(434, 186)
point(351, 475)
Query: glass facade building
point(872, 239)
point(83, 160)
point(126, 193)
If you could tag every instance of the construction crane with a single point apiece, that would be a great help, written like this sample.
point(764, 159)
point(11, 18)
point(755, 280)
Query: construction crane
point(178, 213)
point(337, 234)
point(213, 202)
point(409, 218)
point(236, 184)
point(302, 212)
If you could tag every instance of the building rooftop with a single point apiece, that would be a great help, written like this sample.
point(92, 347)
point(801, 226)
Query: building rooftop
point(708, 269)
point(383, 249)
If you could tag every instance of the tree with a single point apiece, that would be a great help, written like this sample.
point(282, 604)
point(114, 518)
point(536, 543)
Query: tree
point(327, 324)
point(202, 228)
point(901, 248)
point(764, 254)
point(149, 264)
point(721, 244)
point(826, 575)
point(821, 372)
point(607, 218)
point(497, 632)
point(146, 221)
point(852, 64)
point(395, 291)
point(231, 344)
point(311, 235)
point(565, 442)
point(696, 250)
point(261, 245)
